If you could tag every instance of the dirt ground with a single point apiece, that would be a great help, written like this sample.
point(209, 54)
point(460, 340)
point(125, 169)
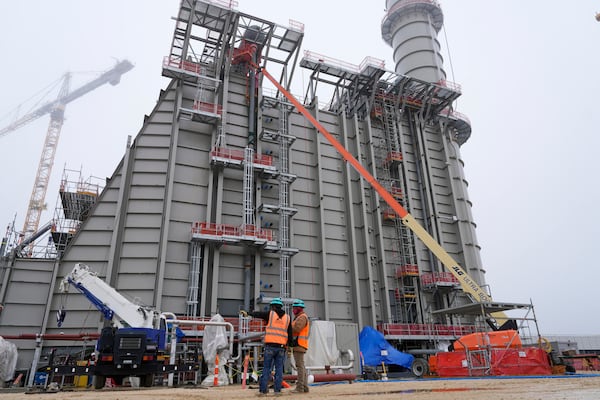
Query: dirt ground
point(580, 387)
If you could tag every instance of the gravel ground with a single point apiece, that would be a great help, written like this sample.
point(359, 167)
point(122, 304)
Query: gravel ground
point(580, 387)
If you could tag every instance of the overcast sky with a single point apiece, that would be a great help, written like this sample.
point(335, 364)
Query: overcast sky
point(529, 72)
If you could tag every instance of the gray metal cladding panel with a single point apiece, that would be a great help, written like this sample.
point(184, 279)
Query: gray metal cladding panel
point(175, 287)
point(137, 266)
point(21, 317)
point(100, 223)
point(177, 270)
point(195, 210)
point(145, 206)
point(192, 156)
point(231, 274)
point(230, 291)
point(332, 176)
point(232, 208)
point(89, 237)
point(187, 193)
point(331, 204)
point(88, 253)
point(180, 231)
point(307, 275)
point(140, 250)
point(305, 244)
point(173, 304)
point(237, 120)
point(308, 227)
point(337, 231)
point(141, 235)
point(147, 193)
point(192, 174)
point(29, 292)
point(33, 264)
point(142, 220)
point(333, 189)
point(148, 179)
point(336, 259)
point(165, 118)
point(334, 217)
point(109, 195)
point(135, 282)
point(340, 311)
point(304, 201)
point(159, 166)
point(149, 140)
point(151, 153)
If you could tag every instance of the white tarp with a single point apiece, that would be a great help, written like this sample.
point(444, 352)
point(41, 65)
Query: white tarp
point(8, 360)
point(322, 345)
point(215, 342)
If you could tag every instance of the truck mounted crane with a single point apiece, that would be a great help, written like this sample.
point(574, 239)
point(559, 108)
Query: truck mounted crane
point(135, 344)
point(56, 109)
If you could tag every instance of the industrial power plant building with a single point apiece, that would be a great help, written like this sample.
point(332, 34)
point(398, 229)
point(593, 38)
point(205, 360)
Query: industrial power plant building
point(229, 196)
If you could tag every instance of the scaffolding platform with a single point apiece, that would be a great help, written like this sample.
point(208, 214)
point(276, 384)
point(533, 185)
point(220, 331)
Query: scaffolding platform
point(439, 280)
point(235, 157)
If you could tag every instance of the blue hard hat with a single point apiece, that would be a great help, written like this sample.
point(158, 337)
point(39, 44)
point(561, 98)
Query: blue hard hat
point(298, 303)
point(276, 302)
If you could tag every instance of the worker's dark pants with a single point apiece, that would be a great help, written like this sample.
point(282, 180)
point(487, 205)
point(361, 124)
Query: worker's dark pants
point(274, 357)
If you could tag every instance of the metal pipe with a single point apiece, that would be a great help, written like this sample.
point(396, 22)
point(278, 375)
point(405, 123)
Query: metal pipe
point(36, 358)
point(325, 377)
point(55, 336)
point(350, 364)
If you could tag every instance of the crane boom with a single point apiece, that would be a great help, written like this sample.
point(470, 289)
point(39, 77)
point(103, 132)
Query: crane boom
point(56, 110)
point(114, 306)
point(467, 283)
point(111, 76)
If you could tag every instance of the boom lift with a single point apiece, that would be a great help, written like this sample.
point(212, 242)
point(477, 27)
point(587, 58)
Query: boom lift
point(56, 109)
point(136, 343)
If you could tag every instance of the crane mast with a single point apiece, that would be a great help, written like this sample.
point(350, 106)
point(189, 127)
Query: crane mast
point(56, 109)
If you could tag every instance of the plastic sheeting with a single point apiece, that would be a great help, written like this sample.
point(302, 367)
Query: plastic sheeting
point(322, 345)
point(215, 342)
point(507, 362)
point(376, 350)
point(8, 360)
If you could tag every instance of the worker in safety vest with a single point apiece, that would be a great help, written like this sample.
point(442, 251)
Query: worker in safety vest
point(278, 334)
point(300, 331)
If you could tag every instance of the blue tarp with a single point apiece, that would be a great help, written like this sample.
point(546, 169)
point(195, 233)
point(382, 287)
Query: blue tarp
point(375, 350)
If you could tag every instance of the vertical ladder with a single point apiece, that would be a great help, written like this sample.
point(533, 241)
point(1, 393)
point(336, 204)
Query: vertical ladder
point(284, 202)
point(247, 203)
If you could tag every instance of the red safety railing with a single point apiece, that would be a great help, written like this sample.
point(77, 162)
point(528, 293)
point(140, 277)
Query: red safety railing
point(432, 278)
point(212, 229)
point(236, 154)
point(208, 107)
point(175, 62)
point(407, 270)
point(296, 26)
point(425, 329)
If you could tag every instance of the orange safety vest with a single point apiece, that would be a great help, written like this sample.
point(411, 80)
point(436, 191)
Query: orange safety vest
point(302, 336)
point(277, 329)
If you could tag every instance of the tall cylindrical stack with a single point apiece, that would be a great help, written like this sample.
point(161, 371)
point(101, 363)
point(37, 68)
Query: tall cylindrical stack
point(411, 28)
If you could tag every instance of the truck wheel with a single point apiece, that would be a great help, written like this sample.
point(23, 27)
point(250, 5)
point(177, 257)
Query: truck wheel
point(99, 382)
point(148, 380)
point(419, 367)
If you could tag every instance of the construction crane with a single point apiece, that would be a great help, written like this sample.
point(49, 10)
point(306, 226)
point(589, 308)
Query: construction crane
point(56, 109)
